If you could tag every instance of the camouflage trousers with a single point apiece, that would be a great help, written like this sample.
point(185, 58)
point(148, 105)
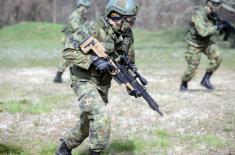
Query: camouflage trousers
point(63, 65)
point(193, 56)
point(94, 118)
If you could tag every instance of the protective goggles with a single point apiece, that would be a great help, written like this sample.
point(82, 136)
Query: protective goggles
point(130, 19)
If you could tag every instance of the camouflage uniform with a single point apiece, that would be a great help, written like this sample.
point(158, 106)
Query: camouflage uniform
point(76, 19)
point(92, 87)
point(199, 41)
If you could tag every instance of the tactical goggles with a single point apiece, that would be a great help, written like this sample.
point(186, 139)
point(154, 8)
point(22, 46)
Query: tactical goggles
point(216, 4)
point(130, 19)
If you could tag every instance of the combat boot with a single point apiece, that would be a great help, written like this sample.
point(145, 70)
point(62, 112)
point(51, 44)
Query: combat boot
point(206, 81)
point(184, 86)
point(58, 77)
point(91, 152)
point(63, 149)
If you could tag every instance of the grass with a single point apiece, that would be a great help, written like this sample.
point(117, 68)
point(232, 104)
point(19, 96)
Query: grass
point(44, 104)
point(204, 142)
point(39, 44)
point(10, 149)
point(162, 141)
point(31, 35)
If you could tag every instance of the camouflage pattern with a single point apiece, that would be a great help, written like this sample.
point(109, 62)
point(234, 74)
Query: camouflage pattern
point(193, 56)
point(201, 29)
point(94, 119)
point(199, 41)
point(76, 19)
point(90, 86)
point(216, 1)
point(85, 3)
point(63, 65)
point(123, 7)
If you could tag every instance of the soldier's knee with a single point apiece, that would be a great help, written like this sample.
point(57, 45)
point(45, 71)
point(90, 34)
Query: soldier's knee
point(99, 131)
point(192, 68)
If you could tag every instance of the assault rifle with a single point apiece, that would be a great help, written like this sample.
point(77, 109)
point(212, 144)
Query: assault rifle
point(124, 71)
point(229, 28)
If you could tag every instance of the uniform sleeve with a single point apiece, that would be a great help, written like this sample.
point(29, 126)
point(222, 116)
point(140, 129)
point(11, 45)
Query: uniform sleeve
point(72, 52)
point(76, 19)
point(203, 28)
point(131, 50)
point(131, 53)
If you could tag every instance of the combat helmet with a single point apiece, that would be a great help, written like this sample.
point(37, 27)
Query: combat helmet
point(216, 1)
point(123, 7)
point(85, 3)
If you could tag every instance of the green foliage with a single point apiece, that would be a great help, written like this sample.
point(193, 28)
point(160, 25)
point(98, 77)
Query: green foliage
point(48, 149)
point(10, 149)
point(211, 141)
point(158, 39)
point(120, 146)
point(39, 45)
point(162, 139)
point(206, 141)
point(43, 105)
point(31, 35)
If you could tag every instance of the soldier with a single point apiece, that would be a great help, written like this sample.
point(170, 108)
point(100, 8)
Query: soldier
point(199, 41)
point(75, 20)
point(90, 74)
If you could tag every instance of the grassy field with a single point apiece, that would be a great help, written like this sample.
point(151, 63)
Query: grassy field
point(35, 113)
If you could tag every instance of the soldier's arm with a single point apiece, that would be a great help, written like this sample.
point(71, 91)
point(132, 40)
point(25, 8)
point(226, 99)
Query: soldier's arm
point(204, 29)
point(75, 19)
point(131, 51)
point(77, 57)
point(72, 52)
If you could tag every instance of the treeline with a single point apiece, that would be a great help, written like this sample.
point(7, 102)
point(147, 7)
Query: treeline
point(154, 14)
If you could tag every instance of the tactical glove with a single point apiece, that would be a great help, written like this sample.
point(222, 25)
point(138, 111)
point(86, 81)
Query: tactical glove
point(221, 26)
point(134, 92)
point(102, 65)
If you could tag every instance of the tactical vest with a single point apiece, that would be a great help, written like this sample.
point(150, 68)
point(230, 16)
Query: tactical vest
point(115, 44)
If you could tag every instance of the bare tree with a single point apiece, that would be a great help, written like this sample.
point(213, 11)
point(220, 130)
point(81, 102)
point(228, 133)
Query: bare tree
point(154, 14)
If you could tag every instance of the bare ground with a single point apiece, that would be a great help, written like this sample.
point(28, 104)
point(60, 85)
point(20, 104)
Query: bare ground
point(196, 112)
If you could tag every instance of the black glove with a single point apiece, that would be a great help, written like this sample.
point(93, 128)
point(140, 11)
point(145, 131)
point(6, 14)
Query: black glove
point(134, 93)
point(221, 26)
point(102, 65)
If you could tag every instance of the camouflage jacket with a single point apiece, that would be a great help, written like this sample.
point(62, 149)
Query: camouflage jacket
point(201, 28)
point(75, 20)
point(115, 44)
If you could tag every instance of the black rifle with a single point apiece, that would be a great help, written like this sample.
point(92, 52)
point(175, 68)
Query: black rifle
point(229, 28)
point(127, 74)
point(123, 71)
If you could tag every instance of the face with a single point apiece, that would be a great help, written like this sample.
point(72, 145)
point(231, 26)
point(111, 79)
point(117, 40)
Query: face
point(124, 23)
point(214, 7)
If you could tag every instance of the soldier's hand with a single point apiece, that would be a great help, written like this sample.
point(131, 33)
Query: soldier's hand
point(221, 26)
point(134, 92)
point(102, 65)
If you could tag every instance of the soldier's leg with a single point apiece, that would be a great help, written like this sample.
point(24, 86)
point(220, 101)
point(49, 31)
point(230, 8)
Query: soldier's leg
point(99, 133)
point(213, 54)
point(62, 66)
point(192, 56)
point(94, 120)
